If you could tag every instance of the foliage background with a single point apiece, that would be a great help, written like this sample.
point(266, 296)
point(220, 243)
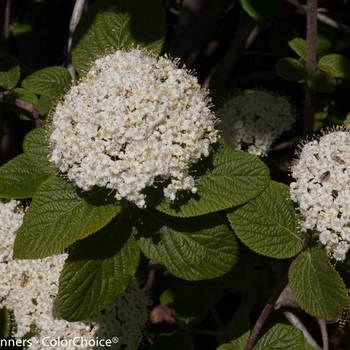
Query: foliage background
point(229, 49)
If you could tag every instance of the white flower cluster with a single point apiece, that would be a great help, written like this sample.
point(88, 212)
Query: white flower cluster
point(322, 189)
point(29, 289)
point(253, 121)
point(132, 119)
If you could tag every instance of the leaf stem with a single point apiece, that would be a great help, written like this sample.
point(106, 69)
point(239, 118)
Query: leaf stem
point(266, 311)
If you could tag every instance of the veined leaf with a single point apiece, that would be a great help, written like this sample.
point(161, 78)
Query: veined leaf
point(58, 216)
point(184, 244)
point(299, 47)
point(316, 285)
point(225, 179)
point(336, 65)
point(9, 75)
point(281, 336)
point(321, 82)
point(290, 69)
point(36, 148)
point(45, 103)
point(268, 224)
point(110, 25)
point(51, 81)
point(239, 331)
point(5, 323)
point(98, 270)
point(20, 178)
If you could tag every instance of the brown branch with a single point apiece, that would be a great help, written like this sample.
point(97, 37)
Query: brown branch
point(5, 98)
point(266, 311)
point(311, 60)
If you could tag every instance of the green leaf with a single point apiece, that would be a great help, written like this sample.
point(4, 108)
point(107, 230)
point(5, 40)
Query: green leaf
point(228, 347)
point(321, 82)
point(268, 224)
point(307, 346)
point(290, 69)
point(173, 341)
point(20, 178)
point(45, 104)
point(5, 323)
point(224, 179)
point(182, 297)
point(109, 25)
point(281, 336)
point(26, 96)
point(9, 75)
point(316, 285)
point(299, 47)
point(239, 331)
point(59, 215)
point(261, 11)
point(336, 65)
point(51, 81)
point(183, 244)
point(98, 269)
point(36, 148)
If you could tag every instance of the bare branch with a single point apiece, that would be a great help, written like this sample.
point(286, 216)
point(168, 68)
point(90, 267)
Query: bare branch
point(76, 15)
point(322, 324)
point(266, 311)
point(5, 98)
point(294, 320)
point(311, 60)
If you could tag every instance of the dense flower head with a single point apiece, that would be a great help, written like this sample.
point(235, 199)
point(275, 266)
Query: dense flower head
point(134, 119)
point(322, 189)
point(254, 120)
point(29, 289)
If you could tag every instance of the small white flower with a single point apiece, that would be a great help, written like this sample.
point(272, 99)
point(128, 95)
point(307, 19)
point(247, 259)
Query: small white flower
point(321, 188)
point(29, 289)
point(253, 121)
point(132, 108)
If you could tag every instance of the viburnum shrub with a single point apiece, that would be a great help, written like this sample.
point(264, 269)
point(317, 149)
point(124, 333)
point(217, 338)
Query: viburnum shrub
point(130, 166)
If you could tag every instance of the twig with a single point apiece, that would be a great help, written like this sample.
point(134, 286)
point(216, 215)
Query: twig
point(266, 311)
point(4, 98)
point(76, 15)
point(311, 60)
point(294, 320)
point(322, 324)
point(323, 18)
